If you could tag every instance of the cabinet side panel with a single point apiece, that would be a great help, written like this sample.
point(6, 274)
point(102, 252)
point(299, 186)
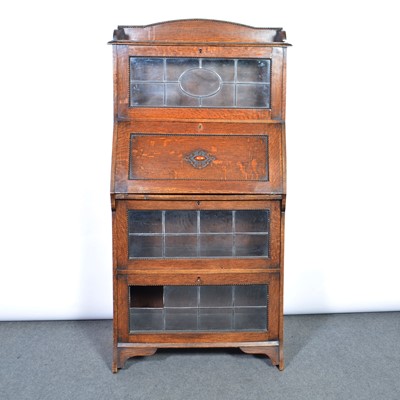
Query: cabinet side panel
point(120, 241)
point(115, 126)
point(123, 81)
point(276, 84)
point(281, 293)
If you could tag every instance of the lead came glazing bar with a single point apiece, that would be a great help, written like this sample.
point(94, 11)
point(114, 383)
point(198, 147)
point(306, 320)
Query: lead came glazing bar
point(164, 80)
point(235, 80)
point(163, 233)
point(198, 234)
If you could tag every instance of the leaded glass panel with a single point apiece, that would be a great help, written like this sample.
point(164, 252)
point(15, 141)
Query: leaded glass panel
point(199, 308)
point(198, 234)
point(200, 82)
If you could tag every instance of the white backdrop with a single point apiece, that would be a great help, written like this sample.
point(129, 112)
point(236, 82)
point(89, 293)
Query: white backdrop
point(343, 214)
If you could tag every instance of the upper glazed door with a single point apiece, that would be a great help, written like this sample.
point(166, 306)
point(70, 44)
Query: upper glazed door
point(200, 82)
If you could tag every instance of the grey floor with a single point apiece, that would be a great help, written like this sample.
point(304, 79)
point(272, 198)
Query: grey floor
point(340, 356)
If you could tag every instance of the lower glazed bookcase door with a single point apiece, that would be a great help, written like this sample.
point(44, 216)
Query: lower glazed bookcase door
point(243, 312)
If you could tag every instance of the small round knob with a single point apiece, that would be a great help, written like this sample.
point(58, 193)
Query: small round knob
point(198, 280)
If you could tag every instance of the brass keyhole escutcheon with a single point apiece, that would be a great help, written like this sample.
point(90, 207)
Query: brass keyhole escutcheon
point(200, 127)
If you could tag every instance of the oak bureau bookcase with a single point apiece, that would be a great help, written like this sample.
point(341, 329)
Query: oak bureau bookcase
point(198, 188)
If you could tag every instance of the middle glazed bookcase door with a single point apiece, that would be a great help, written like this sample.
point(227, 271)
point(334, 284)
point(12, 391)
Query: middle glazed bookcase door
point(193, 235)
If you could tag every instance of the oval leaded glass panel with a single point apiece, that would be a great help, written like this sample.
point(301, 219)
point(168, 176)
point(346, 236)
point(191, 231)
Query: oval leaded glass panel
point(200, 82)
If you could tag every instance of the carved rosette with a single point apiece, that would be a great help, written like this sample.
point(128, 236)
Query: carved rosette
point(199, 159)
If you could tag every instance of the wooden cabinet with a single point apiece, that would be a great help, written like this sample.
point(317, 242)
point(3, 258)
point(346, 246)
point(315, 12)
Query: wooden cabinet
point(198, 188)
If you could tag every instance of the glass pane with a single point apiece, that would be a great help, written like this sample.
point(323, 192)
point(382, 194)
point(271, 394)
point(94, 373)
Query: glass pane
point(145, 221)
point(250, 295)
point(215, 296)
point(181, 319)
point(180, 296)
point(253, 71)
point(215, 221)
point(145, 246)
point(181, 221)
point(225, 97)
point(146, 296)
point(251, 245)
point(180, 246)
point(215, 319)
point(216, 245)
point(146, 319)
point(252, 221)
point(177, 98)
point(224, 68)
point(250, 318)
point(147, 94)
point(253, 96)
point(177, 66)
point(147, 69)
